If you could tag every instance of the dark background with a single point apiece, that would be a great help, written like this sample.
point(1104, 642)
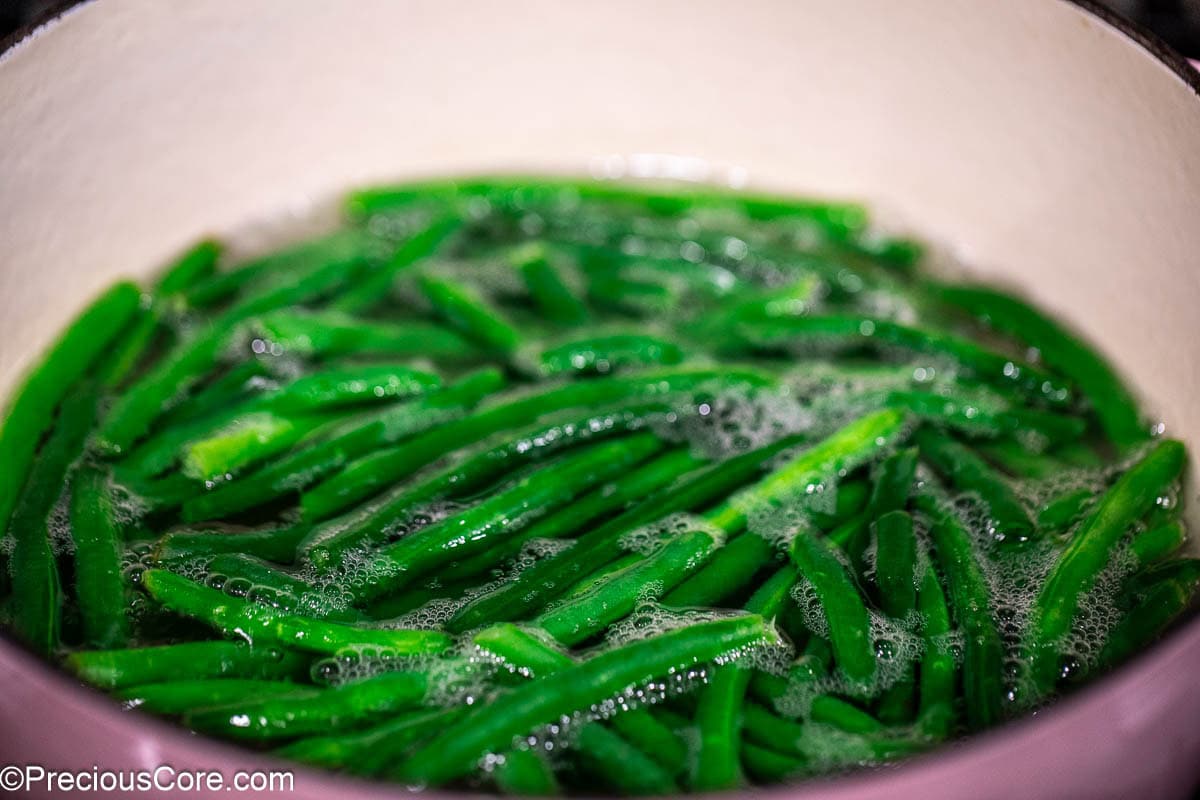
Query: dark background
point(1176, 21)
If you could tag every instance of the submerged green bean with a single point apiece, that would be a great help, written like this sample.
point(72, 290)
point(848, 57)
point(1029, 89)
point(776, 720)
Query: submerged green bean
point(968, 472)
point(307, 465)
point(99, 584)
point(970, 599)
point(454, 751)
point(1059, 349)
point(179, 696)
point(1089, 550)
point(115, 669)
point(29, 415)
point(549, 578)
point(265, 625)
point(36, 585)
point(306, 712)
point(472, 494)
point(501, 515)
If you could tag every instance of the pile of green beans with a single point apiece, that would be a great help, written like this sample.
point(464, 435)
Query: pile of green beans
point(547, 486)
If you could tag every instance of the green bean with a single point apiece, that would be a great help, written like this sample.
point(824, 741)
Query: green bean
point(998, 370)
point(893, 480)
point(305, 466)
point(1089, 550)
point(1154, 609)
point(599, 576)
point(805, 671)
point(328, 334)
point(938, 666)
point(522, 649)
point(969, 473)
point(829, 710)
point(249, 440)
point(36, 587)
point(767, 766)
point(501, 515)
point(638, 298)
point(1065, 510)
point(400, 604)
point(241, 575)
point(306, 712)
point(602, 354)
point(329, 543)
point(555, 300)
point(277, 544)
point(370, 751)
point(896, 564)
point(99, 584)
point(1078, 454)
point(620, 765)
point(136, 410)
point(971, 601)
point(1017, 461)
point(976, 419)
point(469, 314)
point(792, 299)
point(193, 266)
point(850, 498)
point(845, 614)
point(830, 747)
point(840, 219)
point(643, 481)
point(578, 619)
point(527, 652)
point(130, 349)
point(1156, 544)
point(545, 580)
point(240, 382)
point(838, 454)
point(266, 625)
point(30, 412)
point(718, 713)
point(374, 288)
point(354, 385)
point(851, 537)
point(178, 697)
point(266, 273)
point(553, 433)
point(525, 773)
point(457, 748)
point(1059, 349)
point(363, 479)
point(730, 569)
point(118, 669)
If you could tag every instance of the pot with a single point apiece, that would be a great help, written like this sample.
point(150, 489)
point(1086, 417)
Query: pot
point(1052, 146)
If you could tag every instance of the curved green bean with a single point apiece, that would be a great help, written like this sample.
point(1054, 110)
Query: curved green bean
point(1089, 550)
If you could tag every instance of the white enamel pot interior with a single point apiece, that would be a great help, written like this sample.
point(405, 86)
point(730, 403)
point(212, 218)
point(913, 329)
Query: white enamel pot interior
point(1056, 151)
